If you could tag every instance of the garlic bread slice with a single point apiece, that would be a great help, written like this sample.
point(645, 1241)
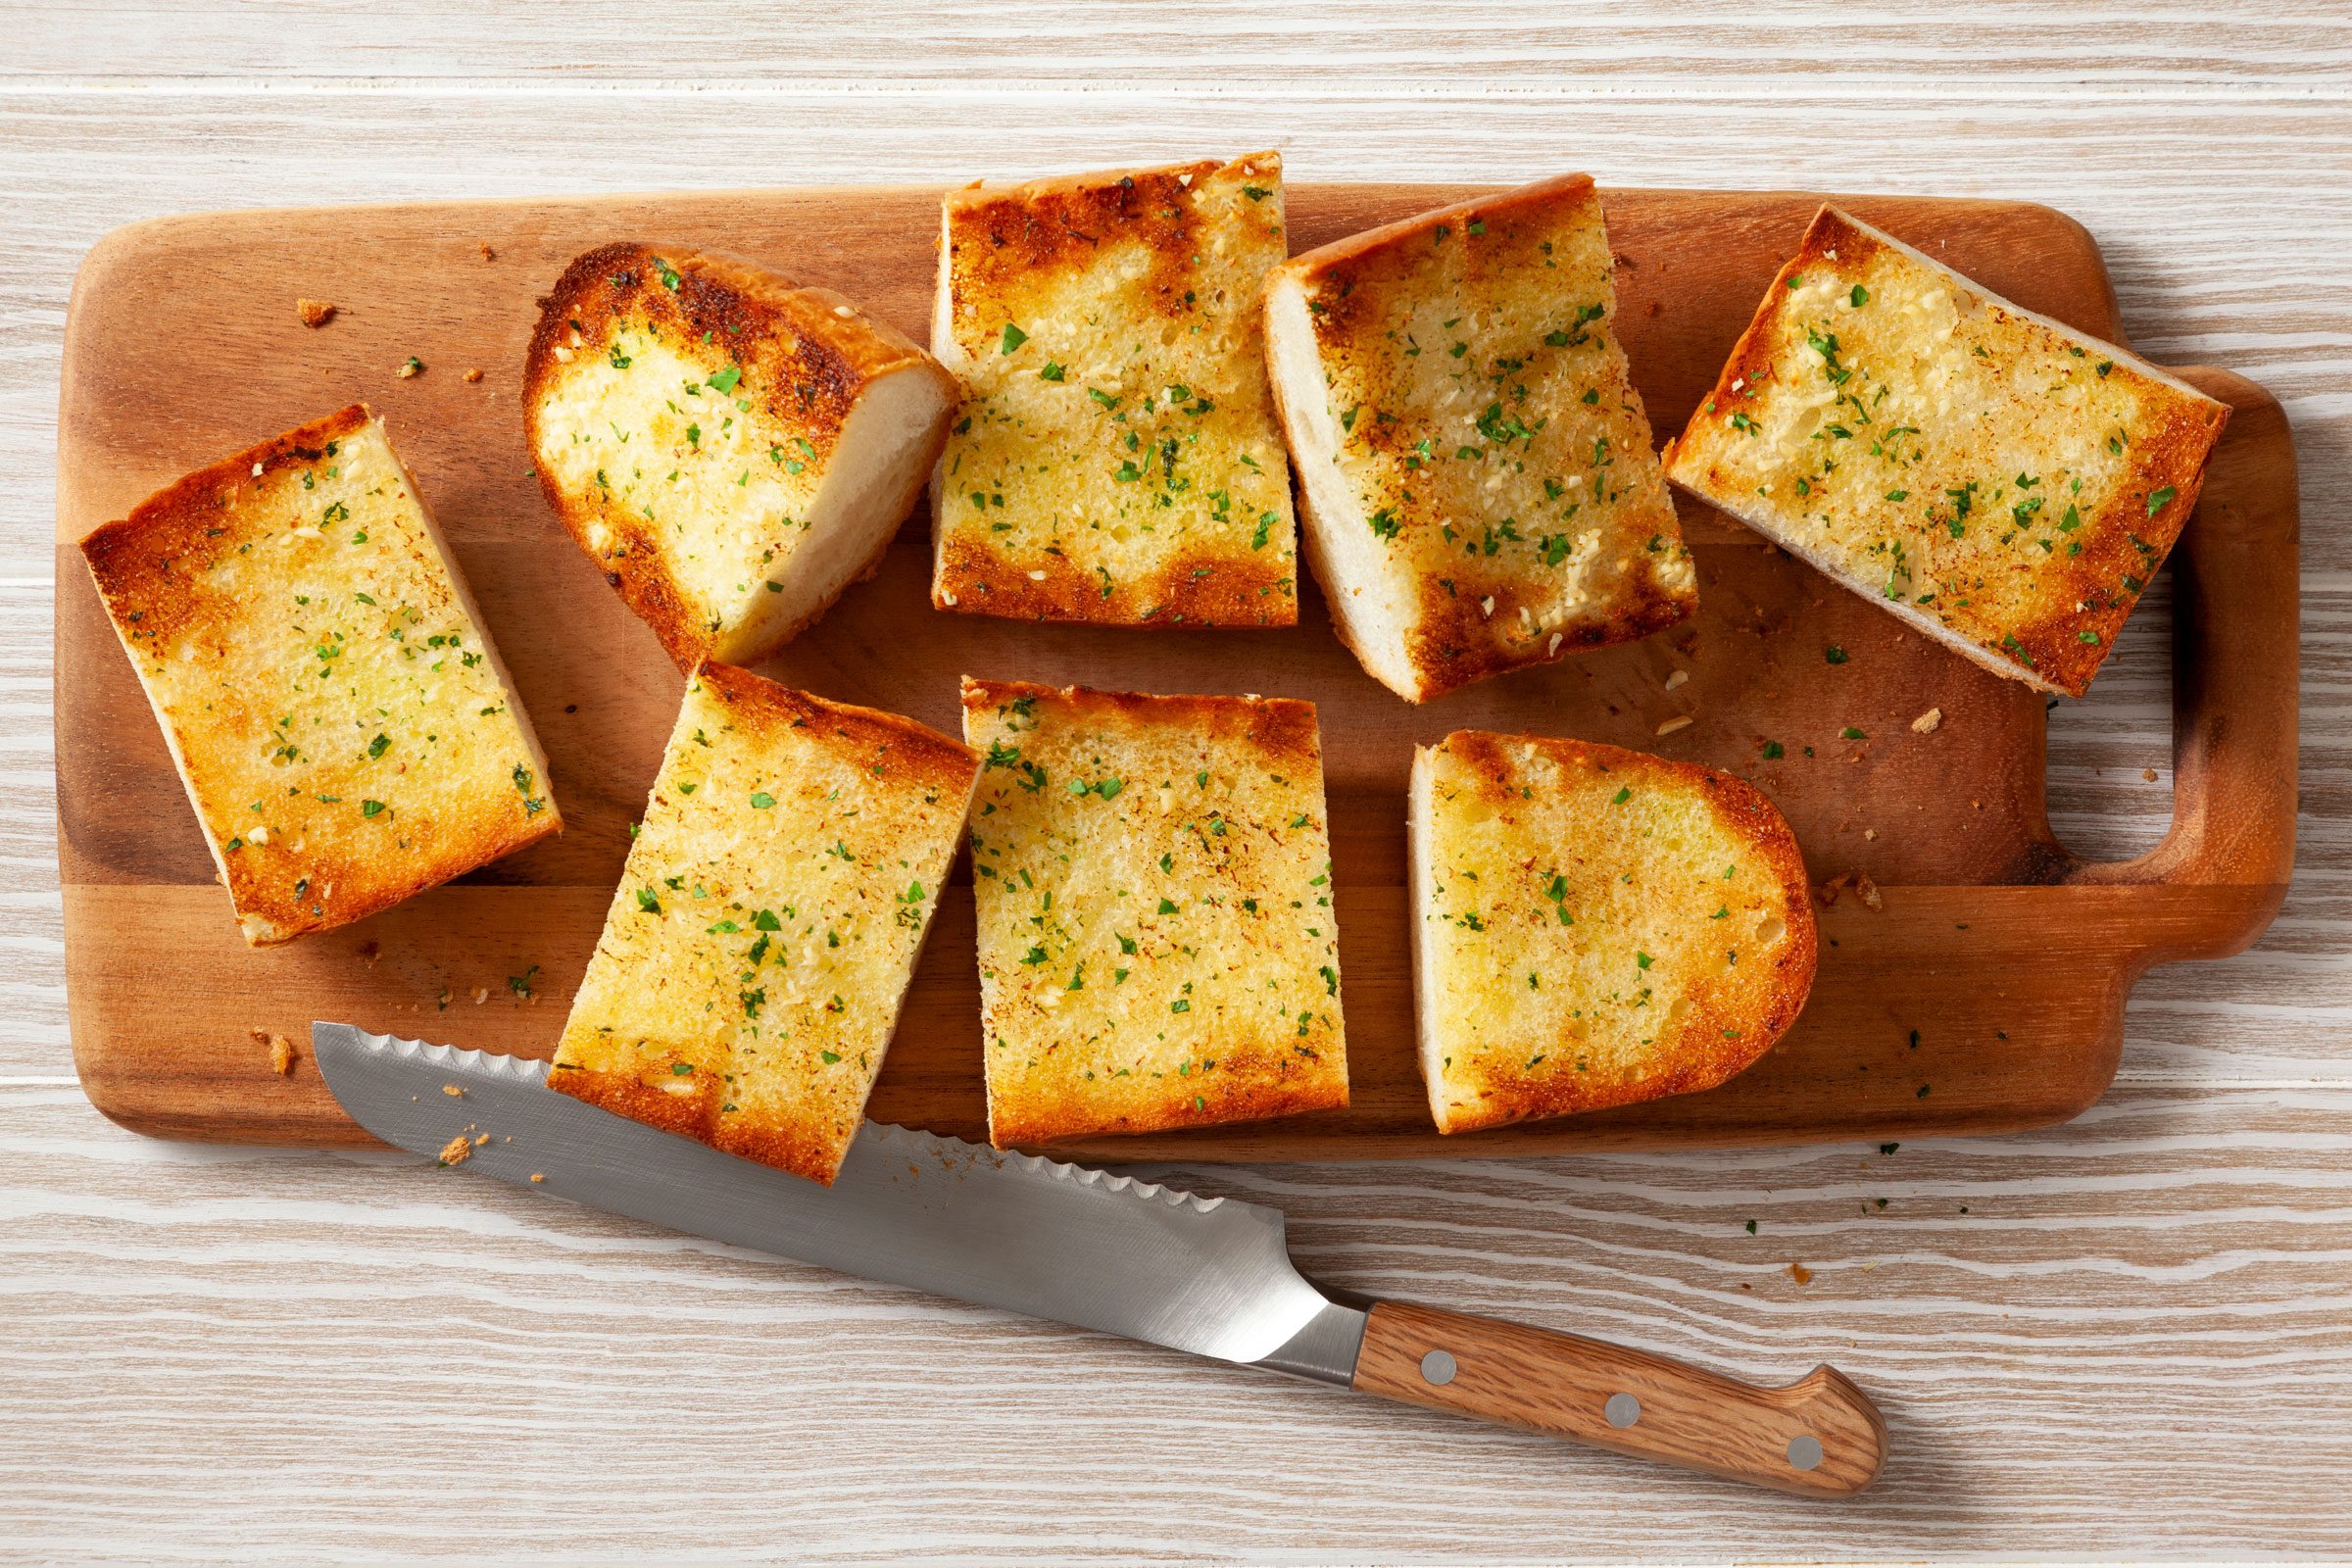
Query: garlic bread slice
point(1116, 460)
point(1593, 926)
point(1157, 939)
point(731, 450)
point(1998, 480)
point(757, 952)
point(326, 686)
point(1479, 486)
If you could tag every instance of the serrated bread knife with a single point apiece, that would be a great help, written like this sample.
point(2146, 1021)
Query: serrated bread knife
point(1209, 1276)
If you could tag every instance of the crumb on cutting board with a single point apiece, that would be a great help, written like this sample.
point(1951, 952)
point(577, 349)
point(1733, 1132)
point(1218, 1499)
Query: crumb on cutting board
point(1826, 894)
point(282, 1055)
point(472, 377)
point(1929, 723)
point(488, 254)
point(315, 313)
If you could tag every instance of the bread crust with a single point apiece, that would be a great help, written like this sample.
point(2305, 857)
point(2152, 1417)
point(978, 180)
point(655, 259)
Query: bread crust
point(693, 1017)
point(1105, 499)
point(1467, 578)
point(2044, 607)
point(1715, 1027)
point(1164, 956)
point(219, 588)
point(807, 357)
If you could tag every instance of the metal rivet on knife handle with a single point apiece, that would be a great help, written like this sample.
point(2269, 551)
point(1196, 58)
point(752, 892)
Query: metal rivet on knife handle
point(1436, 1367)
point(1805, 1450)
point(1623, 1410)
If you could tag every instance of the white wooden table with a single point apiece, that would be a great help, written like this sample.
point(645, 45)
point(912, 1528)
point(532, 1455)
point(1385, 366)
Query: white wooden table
point(2131, 1336)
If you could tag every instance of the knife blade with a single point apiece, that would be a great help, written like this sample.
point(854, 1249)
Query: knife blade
point(1211, 1277)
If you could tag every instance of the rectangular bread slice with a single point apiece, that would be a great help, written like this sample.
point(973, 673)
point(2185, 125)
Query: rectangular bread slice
point(1594, 927)
point(1116, 460)
point(331, 695)
point(730, 448)
point(757, 952)
point(1157, 946)
point(1475, 466)
point(2000, 481)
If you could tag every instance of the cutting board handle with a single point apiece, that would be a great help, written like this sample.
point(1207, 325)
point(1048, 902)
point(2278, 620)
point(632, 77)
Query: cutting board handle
point(2236, 609)
point(1819, 1437)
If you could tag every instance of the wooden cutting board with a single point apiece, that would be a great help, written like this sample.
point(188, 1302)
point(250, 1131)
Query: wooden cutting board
point(1985, 993)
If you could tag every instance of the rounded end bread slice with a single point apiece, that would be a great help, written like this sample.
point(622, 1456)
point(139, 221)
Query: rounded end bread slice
point(1594, 927)
point(731, 449)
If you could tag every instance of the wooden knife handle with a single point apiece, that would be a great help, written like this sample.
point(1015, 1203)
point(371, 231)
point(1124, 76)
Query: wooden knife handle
point(1818, 1436)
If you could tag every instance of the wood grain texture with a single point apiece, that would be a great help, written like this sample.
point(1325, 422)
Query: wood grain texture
point(2133, 1345)
point(1987, 997)
point(1627, 1401)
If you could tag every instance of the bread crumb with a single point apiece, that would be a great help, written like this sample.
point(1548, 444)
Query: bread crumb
point(538, 1176)
point(1673, 724)
point(488, 254)
point(478, 1142)
point(452, 1091)
point(456, 1150)
point(481, 994)
point(1928, 722)
point(472, 377)
point(1799, 1273)
point(1677, 678)
point(412, 366)
point(316, 313)
point(1870, 833)
point(2148, 775)
point(1869, 890)
point(372, 950)
point(281, 1055)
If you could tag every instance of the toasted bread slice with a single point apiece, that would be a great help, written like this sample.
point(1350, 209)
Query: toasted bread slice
point(1157, 946)
point(1594, 926)
point(760, 942)
point(329, 693)
point(1475, 466)
point(2004, 483)
point(732, 450)
point(1116, 460)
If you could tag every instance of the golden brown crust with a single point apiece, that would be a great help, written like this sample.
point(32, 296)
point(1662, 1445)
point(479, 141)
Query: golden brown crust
point(754, 960)
point(805, 356)
point(2048, 619)
point(1192, 592)
point(1455, 544)
point(1729, 1023)
point(1158, 943)
point(1005, 236)
point(156, 572)
point(1115, 462)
